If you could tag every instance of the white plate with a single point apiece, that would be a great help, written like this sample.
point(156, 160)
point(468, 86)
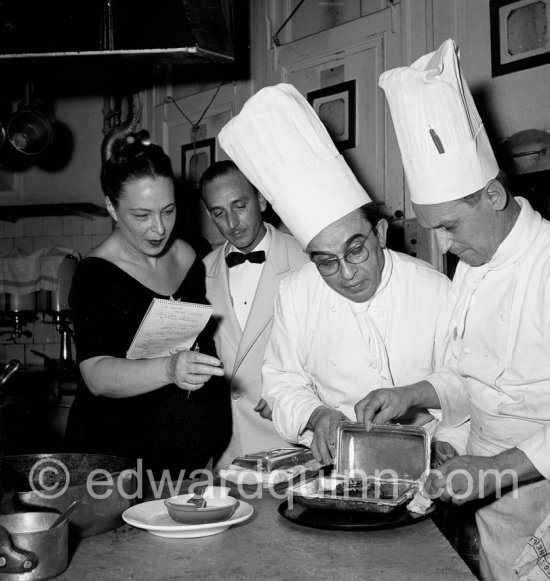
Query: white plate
point(153, 517)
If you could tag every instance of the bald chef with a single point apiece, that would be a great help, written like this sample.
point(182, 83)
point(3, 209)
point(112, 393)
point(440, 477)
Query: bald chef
point(359, 316)
point(500, 329)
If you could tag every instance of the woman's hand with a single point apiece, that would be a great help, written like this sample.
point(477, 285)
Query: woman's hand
point(191, 369)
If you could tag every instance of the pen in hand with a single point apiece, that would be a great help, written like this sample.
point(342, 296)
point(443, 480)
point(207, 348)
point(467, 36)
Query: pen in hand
point(195, 348)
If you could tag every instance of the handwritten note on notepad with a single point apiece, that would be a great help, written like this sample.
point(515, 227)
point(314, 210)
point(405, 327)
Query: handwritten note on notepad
point(168, 326)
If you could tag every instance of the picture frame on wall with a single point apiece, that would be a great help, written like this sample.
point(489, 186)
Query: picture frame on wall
point(335, 106)
point(520, 35)
point(195, 159)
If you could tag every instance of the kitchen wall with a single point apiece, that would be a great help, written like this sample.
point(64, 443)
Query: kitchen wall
point(508, 103)
point(71, 173)
point(31, 234)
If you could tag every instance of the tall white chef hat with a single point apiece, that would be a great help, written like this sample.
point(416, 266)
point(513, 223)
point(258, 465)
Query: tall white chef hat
point(444, 147)
point(283, 148)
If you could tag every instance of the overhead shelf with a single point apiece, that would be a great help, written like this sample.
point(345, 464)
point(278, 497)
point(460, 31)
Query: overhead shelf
point(82, 209)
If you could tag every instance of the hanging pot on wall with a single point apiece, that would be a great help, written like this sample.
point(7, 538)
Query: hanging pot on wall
point(29, 129)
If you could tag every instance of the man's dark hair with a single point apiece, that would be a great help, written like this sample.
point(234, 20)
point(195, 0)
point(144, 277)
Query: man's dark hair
point(373, 212)
point(219, 169)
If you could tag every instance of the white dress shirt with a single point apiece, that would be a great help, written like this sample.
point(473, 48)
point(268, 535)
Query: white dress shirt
point(243, 281)
point(318, 350)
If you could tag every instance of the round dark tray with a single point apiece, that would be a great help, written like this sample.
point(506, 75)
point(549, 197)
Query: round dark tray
point(343, 520)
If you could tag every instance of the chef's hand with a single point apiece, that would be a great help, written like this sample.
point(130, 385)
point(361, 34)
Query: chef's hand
point(382, 405)
point(263, 409)
point(191, 369)
point(323, 422)
point(442, 452)
point(465, 478)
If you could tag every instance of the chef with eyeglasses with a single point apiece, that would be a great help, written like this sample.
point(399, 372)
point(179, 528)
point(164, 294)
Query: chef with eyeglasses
point(358, 316)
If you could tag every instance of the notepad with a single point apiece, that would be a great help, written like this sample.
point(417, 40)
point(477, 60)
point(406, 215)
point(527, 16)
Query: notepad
point(168, 326)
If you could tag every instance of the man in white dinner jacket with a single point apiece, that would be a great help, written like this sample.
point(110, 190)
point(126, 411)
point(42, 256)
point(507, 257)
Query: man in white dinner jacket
point(241, 280)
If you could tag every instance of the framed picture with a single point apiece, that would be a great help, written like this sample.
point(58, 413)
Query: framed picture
point(195, 158)
point(335, 106)
point(520, 35)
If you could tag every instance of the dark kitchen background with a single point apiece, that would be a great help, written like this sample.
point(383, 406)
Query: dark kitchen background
point(72, 72)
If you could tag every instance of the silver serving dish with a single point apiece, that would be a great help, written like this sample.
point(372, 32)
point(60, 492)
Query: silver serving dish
point(374, 471)
point(274, 459)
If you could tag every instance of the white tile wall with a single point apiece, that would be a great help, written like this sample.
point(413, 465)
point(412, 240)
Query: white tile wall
point(65, 241)
point(82, 244)
point(53, 226)
point(41, 242)
point(24, 244)
point(13, 229)
point(33, 227)
point(31, 234)
point(97, 226)
point(72, 225)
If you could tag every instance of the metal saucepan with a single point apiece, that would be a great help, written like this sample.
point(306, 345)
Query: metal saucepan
point(8, 369)
point(99, 482)
point(29, 549)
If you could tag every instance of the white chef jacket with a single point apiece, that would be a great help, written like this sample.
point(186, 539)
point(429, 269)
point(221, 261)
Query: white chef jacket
point(316, 354)
point(500, 338)
point(500, 376)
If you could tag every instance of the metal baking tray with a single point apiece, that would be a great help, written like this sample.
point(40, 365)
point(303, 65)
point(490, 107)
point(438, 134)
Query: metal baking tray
point(374, 471)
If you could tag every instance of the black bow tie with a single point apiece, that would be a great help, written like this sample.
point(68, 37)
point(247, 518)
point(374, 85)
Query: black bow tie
point(234, 258)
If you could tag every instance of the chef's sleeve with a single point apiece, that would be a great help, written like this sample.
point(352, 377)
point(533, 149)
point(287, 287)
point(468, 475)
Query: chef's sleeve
point(286, 386)
point(450, 387)
point(457, 436)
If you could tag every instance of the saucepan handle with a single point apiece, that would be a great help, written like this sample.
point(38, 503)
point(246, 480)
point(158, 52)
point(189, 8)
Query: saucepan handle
point(12, 558)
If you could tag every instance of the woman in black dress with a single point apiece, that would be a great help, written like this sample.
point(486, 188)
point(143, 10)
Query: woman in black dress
point(172, 413)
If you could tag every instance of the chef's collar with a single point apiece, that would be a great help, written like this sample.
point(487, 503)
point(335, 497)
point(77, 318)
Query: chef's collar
point(519, 239)
point(384, 280)
point(263, 244)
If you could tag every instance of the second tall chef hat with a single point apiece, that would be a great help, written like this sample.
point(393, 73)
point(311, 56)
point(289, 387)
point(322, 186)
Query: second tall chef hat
point(444, 147)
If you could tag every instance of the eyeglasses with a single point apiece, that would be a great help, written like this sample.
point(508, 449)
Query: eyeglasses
point(355, 255)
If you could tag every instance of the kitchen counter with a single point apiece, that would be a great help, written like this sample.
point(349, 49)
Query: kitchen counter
point(268, 546)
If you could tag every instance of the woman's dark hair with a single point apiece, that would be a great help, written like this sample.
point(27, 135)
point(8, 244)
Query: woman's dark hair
point(133, 157)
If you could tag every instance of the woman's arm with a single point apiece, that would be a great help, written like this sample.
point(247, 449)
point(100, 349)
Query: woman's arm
point(116, 377)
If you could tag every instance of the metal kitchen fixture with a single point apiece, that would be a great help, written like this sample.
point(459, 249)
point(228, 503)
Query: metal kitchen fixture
point(29, 129)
